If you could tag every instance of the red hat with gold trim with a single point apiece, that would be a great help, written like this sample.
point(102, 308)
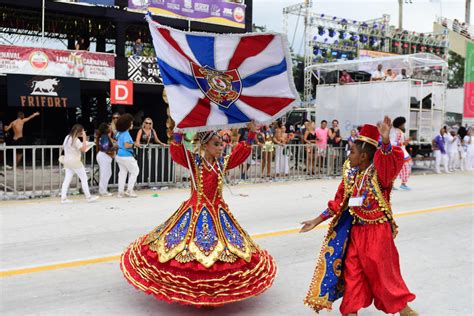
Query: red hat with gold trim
point(369, 134)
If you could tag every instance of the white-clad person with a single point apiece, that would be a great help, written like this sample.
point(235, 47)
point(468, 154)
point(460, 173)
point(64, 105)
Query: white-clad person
point(378, 74)
point(462, 131)
point(469, 144)
point(73, 149)
point(106, 150)
point(127, 163)
point(390, 75)
point(452, 142)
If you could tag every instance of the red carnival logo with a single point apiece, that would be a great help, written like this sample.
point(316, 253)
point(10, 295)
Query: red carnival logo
point(39, 60)
point(239, 14)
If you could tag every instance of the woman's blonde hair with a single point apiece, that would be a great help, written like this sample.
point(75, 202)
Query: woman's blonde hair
point(147, 118)
point(75, 132)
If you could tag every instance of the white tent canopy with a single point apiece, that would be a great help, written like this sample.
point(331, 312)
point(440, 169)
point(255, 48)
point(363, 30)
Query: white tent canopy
point(408, 62)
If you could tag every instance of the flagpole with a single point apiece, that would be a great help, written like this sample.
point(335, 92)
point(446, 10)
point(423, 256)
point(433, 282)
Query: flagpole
point(42, 20)
point(190, 167)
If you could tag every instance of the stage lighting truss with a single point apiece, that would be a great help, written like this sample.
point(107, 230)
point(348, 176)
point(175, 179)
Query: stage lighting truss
point(333, 51)
point(335, 25)
point(413, 42)
point(433, 39)
point(376, 34)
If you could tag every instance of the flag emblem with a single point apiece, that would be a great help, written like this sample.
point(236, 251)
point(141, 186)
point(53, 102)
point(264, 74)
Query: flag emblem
point(221, 87)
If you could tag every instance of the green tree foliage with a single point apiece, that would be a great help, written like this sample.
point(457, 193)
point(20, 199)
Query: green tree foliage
point(455, 71)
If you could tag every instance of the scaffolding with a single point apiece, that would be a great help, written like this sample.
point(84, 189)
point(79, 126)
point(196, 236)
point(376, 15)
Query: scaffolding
point(313, 20)
point(422, 102)
point(377, 29)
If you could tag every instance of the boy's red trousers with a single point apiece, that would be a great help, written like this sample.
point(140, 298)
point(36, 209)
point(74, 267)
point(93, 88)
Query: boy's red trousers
point(372, 271)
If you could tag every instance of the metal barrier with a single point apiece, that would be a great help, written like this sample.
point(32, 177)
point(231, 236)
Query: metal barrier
point(289, 162)
point(40, 174)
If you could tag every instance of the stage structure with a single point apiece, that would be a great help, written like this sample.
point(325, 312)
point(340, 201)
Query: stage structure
point(421, 98)
point(330, 38)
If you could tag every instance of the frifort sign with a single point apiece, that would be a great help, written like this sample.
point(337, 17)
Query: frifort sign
point(43, 91)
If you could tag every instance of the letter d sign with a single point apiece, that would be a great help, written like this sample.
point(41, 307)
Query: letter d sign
point(121, 92)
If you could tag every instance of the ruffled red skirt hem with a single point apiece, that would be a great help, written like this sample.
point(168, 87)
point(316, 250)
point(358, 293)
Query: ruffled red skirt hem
point(192, 283)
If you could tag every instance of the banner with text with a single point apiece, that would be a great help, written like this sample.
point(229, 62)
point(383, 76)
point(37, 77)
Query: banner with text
point(55, 62)
point(29, 91)
point(364, 53)
point(453, 119)
point(144, 70)
point(220, 12)
point(469, 81)
point(95, 2)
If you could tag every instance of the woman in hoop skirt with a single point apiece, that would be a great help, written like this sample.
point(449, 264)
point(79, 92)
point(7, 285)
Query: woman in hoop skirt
point(201, 255)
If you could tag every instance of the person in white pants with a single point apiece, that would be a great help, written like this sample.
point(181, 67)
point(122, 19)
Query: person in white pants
point(105, 154)
point(452, 142)
point(127, 163)
point(462, 155)
point(439, 152)
point(73, 148)
point(469, 143)
point(280, 139)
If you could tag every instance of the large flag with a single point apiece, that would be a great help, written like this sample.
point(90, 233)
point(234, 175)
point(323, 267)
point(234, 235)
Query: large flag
point(214, 81)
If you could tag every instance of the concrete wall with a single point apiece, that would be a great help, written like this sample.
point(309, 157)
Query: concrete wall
point(457, 43)
point(455, 104)
point(455, 100)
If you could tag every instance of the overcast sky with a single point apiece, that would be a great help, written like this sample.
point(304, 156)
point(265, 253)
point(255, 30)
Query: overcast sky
point(418, 16)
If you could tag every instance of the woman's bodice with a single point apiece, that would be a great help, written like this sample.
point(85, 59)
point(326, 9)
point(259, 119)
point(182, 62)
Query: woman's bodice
point(147, 138)
point(203, 228)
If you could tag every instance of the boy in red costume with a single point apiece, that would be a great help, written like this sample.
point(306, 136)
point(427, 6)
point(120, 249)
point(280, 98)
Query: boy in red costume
point(359, 260)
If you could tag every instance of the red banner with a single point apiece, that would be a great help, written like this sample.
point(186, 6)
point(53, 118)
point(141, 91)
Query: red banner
point(469, 81)
point(469, 100)
point(55, 62)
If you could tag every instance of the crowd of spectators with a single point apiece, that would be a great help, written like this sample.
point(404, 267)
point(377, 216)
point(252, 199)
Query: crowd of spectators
point(278, 150)
point(378, 75)
point(458, 27)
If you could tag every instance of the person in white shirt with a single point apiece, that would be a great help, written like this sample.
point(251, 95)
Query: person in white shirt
point(73, 149)
point(390, 75)
point(462, 153)
point(402, 76)
point(378, 74)
point(451, 139)
point(469, 143)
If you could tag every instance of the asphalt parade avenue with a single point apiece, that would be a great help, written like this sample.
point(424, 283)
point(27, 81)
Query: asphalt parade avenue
point(63, 259)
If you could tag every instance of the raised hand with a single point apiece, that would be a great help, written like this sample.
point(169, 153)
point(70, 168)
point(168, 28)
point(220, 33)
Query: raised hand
point(384, 129)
